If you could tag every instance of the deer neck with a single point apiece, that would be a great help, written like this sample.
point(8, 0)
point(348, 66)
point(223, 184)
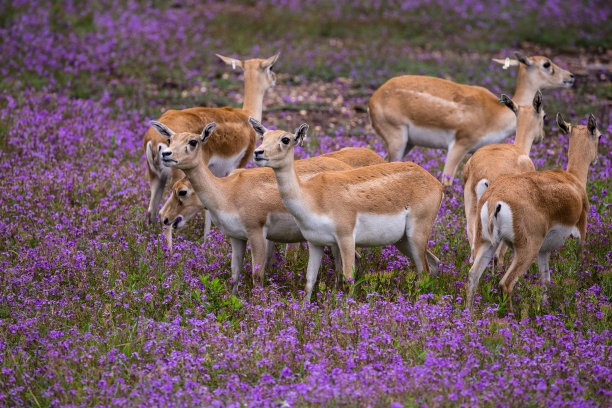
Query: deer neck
point(524, 136)
point(290, 189)
point(207, 186)
point(577, 165)
point(253, 99)
point(525, 87)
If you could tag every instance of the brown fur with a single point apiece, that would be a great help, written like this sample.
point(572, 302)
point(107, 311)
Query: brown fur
point(233, 123)
point(538, 201)
point(366, 190)
point(356, 156)
point(189, 205)
point(381, 189)
point(494, 161)
point(471, 112)
point(250, 195)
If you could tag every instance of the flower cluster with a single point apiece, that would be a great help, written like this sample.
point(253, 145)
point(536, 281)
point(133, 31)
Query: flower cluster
point(94, 309)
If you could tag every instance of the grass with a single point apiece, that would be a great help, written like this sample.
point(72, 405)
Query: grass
point(94, 307)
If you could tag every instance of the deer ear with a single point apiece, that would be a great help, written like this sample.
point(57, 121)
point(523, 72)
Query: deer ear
point(563, 125)
point(506, 62)
point(537, 102)
point(521, 58)
point(257, 126)
point(231, 61)
point(207, 132)
point(300, 134)
point(509, 103)
point(161, 129)
point(592, 124)
point(267, 63)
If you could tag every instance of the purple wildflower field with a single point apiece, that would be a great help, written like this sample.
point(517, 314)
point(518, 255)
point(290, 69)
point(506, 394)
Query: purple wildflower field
point(96, 311)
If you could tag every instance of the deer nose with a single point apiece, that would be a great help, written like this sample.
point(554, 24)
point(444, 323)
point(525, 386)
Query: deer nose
point(166, 221)
point(258, 154)
point(166, 154)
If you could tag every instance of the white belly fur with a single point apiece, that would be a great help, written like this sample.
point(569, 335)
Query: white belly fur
point(230, 224)
point(429, 137)
point(556, 237)
point(370, 229)
point(377, 230)
point(492, 138)
point(222, 166)
point(283, 228)
point(318, 229)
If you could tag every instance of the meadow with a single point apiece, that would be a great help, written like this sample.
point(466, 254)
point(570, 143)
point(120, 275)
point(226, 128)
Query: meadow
point(96, 311)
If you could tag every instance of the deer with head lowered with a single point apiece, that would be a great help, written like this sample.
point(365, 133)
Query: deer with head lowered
point(412, 110)
point(221, 155)
point(493, 161)
point(534, 212)
point(389, 203)
point(245, 205)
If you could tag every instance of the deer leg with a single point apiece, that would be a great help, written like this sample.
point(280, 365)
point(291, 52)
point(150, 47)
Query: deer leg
point(315, 252)
point(270, 250)
point(433, 262)
point(169, 239)
point(484, 253)
point(471, 217)
point(347, 253)
point(543, 268)
point(158, 182)
point(238, 249)
point(500, 254)
point(337, 265)
point(258, 255)
point(207, 223)
point(456, 152)
point(524, 256)
point(396, 137)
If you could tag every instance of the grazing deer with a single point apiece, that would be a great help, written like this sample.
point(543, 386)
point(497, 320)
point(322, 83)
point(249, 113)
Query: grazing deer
point(221, 155)
point(184, 203)
point(534, 212)
point(390, 203)
point(246, 204)
point(493, 161)
point(412, 110)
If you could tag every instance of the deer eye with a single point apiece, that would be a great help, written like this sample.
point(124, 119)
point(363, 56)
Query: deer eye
point(546, 64)
point(193, 143)
point(182, 193)
point(285, 140)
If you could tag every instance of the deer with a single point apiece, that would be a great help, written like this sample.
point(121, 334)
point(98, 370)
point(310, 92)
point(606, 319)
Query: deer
point(413, 110)
point(245, 205)
point(221, 155)
point(382, 204)
point(493, 161)
point(184, 203)
point(535, 212)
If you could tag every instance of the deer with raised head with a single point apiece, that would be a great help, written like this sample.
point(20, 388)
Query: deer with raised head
point(493, 161)
point(389, 203)
point(221, 155)
point(412, 110)
point(534, 212)
point(245, 205)
point(184, 203)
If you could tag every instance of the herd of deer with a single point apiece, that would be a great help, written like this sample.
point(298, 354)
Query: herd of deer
point(354, 198)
